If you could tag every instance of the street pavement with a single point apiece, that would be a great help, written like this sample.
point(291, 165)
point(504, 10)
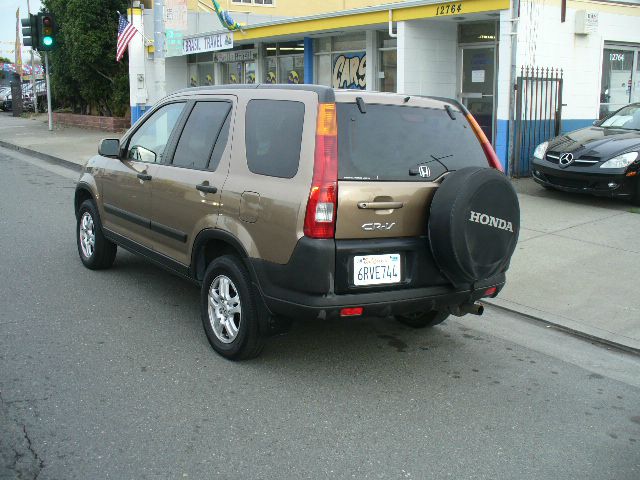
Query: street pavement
point(109, 375)
point(576, 266)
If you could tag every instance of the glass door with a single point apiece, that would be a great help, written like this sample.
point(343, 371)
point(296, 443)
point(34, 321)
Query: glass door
point(477, 85)
point(620, 78)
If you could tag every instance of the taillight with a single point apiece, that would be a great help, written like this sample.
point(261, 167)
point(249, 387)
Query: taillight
point(320, 218)
point(492, 158)
point(351, 312)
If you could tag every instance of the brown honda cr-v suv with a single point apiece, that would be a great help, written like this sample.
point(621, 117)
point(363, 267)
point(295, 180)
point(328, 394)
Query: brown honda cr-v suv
point(300, 202)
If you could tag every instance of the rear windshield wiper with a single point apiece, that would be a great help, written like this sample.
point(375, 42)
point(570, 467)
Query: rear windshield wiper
point(449, 111)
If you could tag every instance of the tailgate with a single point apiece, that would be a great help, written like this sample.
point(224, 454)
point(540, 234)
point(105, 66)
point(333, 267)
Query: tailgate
point(383, 209)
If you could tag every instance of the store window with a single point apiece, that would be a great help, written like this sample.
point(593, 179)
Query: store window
point(388, 48)
point(341, 62)
point(232, 73)
point(284, 63)
point(481, 32)
point(205, 74)
point(620, 81)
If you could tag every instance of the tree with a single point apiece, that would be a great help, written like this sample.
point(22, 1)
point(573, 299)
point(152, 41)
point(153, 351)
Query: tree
point(84, 71)
point(5, 60)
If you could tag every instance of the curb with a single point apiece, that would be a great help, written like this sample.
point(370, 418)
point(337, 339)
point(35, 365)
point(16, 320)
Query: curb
point(42, 156)
point(572, 331)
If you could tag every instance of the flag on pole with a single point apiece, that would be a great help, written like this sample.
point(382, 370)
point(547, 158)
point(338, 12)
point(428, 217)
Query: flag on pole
point(126, 32)
point(18, 45)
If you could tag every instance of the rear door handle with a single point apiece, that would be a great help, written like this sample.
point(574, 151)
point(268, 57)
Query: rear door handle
point(380, 205)
point(207, 188)
point(144, 176)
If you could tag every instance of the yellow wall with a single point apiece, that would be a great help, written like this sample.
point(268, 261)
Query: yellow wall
point(296, 8)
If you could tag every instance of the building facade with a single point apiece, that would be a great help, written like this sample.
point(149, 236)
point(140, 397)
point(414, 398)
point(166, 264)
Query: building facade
point(470, 50)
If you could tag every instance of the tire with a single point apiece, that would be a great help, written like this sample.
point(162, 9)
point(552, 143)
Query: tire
point(96, 252)
point(423, 319)
point(473, 225)
point(227, 287)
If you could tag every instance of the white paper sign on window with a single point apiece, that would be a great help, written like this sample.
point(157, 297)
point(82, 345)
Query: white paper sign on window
point(477, 76)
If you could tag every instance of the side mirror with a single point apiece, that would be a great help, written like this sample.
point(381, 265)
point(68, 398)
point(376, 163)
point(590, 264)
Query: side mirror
point(109, 147)
point(596, 123)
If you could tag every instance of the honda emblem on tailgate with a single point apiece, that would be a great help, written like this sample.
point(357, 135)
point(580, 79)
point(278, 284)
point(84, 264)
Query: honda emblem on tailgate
point(370, 227)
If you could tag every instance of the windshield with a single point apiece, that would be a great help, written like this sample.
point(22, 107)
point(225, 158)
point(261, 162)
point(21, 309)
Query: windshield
point(390, 142)
point(627, 118)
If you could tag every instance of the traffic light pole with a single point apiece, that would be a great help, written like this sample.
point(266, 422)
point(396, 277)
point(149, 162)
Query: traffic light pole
point(46, 66)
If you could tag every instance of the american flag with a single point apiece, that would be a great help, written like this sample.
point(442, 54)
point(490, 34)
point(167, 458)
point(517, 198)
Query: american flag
point(126, 32)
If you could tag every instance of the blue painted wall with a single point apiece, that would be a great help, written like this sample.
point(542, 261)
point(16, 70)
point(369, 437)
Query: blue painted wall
point(575, 124)
point(501, 143)
point(308, 60)
point(137, 111)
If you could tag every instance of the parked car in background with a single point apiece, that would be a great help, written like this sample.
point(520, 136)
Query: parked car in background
point(28, 96)
point(603, 159)
point(7, 103)
point(300, 202)
point(4, 93)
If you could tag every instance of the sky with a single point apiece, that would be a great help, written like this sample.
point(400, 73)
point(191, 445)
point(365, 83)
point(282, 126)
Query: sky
point(8, 24)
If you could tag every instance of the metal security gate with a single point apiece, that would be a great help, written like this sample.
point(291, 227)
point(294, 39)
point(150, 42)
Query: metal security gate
point(538, 114)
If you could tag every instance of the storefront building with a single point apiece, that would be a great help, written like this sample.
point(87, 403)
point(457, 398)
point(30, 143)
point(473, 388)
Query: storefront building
point(470, 50)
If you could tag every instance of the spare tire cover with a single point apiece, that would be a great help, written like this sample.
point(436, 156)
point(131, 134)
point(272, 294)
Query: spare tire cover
point(474, 223)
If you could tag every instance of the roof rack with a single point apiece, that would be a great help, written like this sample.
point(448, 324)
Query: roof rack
point(325, 94)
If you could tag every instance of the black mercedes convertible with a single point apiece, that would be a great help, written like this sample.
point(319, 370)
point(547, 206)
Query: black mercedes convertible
point(601, 160)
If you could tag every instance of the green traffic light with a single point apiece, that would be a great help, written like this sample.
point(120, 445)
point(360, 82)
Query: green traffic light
point(47, 41)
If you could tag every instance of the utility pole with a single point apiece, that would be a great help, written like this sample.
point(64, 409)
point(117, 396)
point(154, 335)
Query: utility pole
point(33, 71)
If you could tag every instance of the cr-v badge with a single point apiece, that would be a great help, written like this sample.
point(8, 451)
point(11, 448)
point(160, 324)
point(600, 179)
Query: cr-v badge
point(370, 227)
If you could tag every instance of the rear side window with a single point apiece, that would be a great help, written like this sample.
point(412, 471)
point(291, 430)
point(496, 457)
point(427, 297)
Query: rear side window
point(203, 131)
point(274, 137)
point(389, 141)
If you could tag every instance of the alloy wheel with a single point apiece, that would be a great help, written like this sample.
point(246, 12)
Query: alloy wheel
point(225, 311)
point(87, 235)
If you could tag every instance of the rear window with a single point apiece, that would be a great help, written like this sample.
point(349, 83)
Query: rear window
point(390, 142)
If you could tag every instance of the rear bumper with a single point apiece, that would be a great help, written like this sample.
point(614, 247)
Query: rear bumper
point(306, 287)
point(614, 185)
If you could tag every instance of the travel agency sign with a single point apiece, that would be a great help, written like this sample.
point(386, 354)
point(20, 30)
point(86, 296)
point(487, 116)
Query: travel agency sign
point(207, 43)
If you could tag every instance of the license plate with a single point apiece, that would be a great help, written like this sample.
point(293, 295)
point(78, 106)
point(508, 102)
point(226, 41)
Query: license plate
point(376, 269)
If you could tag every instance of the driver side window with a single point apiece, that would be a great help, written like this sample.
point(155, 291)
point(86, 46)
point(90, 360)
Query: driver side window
point(148, 143)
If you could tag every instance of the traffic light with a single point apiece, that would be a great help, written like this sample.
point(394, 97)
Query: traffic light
point(47, 31)
point(30, 31)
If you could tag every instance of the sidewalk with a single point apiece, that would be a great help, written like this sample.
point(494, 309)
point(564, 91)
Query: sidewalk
point(70, 146)
point(577, 264)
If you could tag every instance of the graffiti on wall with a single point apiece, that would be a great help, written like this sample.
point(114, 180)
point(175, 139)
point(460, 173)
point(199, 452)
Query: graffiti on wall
point(349, 71)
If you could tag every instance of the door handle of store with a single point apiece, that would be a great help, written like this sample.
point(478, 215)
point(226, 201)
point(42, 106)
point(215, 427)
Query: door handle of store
point(380, 205)
point(206, 188)
point(144, 176)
